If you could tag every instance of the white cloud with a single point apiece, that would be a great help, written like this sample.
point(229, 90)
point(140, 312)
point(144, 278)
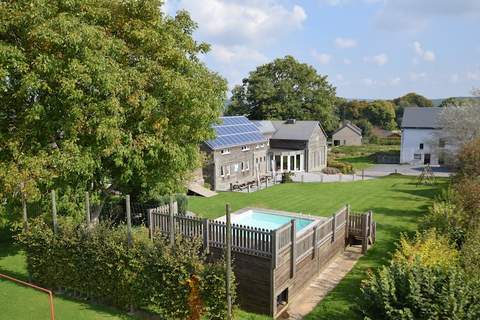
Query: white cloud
point(473, 76)
point(395, 81)
point(336, 3)
point(426, 55)
point(414, 76)
point(368, 82)
point(236, 54)
point(379, 59)
point(322, 58)
point(347, 61)
point(454, 78)
point(240, 22)
point(345, 43)
point(415, 15)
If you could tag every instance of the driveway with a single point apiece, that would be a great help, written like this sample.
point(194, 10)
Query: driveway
point(380, 170)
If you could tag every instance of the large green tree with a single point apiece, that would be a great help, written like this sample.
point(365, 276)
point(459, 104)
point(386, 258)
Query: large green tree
point(283, 89)
point(411, 99)
point(101, 95)
point(381, 113)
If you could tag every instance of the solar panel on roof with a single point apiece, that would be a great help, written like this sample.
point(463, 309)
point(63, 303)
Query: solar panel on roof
point(234, 131)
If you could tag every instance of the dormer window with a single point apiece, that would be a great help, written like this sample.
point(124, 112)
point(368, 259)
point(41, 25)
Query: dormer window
point(245, 148)
point(225, 151)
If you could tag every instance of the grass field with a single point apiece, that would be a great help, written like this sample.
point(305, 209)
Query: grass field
point(361, 157)
point(396, 201)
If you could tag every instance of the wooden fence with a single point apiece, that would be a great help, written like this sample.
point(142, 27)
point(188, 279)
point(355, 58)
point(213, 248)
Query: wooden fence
point(257, 241)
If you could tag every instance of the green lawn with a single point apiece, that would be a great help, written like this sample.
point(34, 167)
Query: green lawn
point(395, 200)
point(361, 157)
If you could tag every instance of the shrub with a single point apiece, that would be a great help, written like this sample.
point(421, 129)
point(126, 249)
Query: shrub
point(180, 198)
point(329, 170)
point(468, 160)
point(98, 263)
point(470, 254)
point(423, 281)
point(287, 177)
point(345, 168)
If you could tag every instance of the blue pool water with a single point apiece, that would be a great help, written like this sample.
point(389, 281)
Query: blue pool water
point(269, 221)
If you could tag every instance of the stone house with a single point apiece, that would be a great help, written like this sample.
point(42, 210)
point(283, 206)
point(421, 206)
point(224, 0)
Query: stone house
point(347, 134)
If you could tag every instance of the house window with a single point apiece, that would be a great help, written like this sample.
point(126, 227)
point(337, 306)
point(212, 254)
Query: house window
point(247, 165)
point(441, 143)
point(228, 170)
point(256, 160)
point(235, 167)
point(257, 146)
point(297, 163)
point(222, 172)
point(241, 167)
point(421, 146)
point(245, 148)
point(417, 156)
point(225, 151)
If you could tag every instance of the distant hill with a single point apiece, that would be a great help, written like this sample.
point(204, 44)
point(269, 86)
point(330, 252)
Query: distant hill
point(437, 102)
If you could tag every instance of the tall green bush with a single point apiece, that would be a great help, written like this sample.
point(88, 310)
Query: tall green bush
point(98, 263)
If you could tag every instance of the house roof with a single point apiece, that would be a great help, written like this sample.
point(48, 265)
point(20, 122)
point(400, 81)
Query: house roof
point(351, 126)
point(235, 131)
point(422, 118)
point(294, 130)
point(265, 126)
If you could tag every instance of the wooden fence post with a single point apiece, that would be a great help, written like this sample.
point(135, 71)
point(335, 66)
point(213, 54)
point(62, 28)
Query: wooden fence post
point(229, 261)
point(303, 178)
point(340, 177)
point(364, 233)
point(248, 188)
point(334, 222)
point(206, 236)
point(321, 177)
point(314, 242)
point(129, 220)
point(266, 182)
point(347, 222)
point(171, 222)
point(363, 174)
point(150, 223)
point(54, 212)
point(87, 208)
point(25, 216)
point(273, 235)
point(293, 251)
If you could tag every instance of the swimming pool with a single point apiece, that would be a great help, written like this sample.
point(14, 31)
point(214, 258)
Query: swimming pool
point(268, 220)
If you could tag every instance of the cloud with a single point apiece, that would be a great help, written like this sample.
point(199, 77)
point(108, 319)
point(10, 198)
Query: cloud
point(240, 22)
point(345, 43)
point(368, 82)
point(322, 58)
point(426, 55)
point(347, 61)
point(237, 54)
point(380, 59)
point(415, 76)
point(454, 78)
point(473, 76)
point(395, 81)
point(336, 3)
point(415, 15)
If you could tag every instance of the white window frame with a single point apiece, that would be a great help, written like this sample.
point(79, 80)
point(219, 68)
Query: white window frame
point(247, 165)
point(225, 151)
point(228, 170)
point(245, 148)
point(417, 156)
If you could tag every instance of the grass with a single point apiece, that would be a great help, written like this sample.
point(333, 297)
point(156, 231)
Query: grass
point(18, 302)
point(361, 157)
point(396, 202)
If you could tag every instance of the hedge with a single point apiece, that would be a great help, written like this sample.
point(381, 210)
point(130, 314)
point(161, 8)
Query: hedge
point(98, 264)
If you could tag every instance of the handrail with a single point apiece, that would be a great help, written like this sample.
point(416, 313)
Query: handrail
point(50, 295)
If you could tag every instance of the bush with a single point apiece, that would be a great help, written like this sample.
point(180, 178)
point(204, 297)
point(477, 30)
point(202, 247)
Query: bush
point(470, 254)
point(287, 177)
point(345, 168)
point(329, 170)
point(98, 263)
point(180, 198)
point(423, 281)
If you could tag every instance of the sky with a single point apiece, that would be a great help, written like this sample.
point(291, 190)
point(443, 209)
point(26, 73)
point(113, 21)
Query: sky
point(369, 49)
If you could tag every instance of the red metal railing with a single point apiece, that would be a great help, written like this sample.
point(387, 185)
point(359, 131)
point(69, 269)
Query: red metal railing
point(50, 295)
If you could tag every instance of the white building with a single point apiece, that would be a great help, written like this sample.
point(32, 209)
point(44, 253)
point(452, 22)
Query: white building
point(420, 137)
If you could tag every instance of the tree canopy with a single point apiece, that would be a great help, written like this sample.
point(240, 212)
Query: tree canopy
point(413, 99)
point(283, 89)
point(101, 94)
point(379, 113)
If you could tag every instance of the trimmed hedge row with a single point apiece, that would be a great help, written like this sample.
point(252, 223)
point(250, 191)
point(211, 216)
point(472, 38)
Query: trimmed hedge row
point(345, 168)
point(177, 283)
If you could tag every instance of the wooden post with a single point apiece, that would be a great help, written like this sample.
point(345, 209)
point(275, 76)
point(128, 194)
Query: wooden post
point(206, 236)
point(293, 253)
point(150, 223)
point(25, 216)
point(248, 188)
point(266, 182)
point(353, 176)
point(340, 177)
point(364, 233)
point(363, 174)
point(347, 222)
point(228, 255)
point(303, 178)
point(321, 177)
point(171, 222)
point(314, 242)
point(129, 220)
point(54, 213)
point(273, 235)
point(334, 223)
point(87, 207)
